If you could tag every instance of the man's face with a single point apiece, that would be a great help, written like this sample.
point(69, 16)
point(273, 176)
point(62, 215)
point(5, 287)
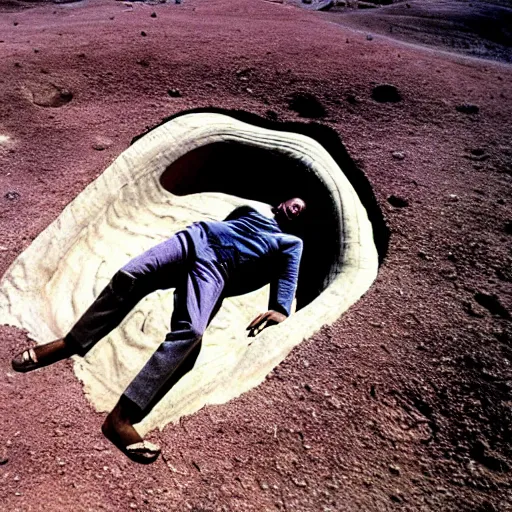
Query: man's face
point(290, 209)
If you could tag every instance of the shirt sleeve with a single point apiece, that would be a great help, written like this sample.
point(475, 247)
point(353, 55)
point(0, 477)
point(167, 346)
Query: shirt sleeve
point(284, 283)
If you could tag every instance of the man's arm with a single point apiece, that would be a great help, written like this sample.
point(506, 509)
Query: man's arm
point(282, 287)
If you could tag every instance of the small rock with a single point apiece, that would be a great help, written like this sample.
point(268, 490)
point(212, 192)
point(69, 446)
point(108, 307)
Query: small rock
point(102, 143)
point(263, 486)
point(394, 470)
point(395, 498)
point(3, 460)
point(143, 34)
point(133, 506)
point(143, 62)
point(12, 195)
point(453, 198)
point(174, 93)
point(508, 227)
point(153, 14)
point(467, 108)
point(15, 23)
point(398, 201)
point(398, 155)
point(369, 37)
point(58, 432)
point(386, 93)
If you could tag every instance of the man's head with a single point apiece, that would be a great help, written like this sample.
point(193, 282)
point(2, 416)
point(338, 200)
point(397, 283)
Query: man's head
point(290, 210)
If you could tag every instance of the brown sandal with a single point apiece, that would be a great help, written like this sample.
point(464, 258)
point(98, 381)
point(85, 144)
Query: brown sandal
point(26, 361)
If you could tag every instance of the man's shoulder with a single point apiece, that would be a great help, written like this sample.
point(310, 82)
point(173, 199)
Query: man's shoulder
point(241, 211)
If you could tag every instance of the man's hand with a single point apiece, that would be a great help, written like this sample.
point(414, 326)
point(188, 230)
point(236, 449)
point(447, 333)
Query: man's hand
point(265, 320)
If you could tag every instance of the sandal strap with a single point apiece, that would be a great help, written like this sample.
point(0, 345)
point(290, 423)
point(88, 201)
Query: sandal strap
point(29, 356)
point(143, 446)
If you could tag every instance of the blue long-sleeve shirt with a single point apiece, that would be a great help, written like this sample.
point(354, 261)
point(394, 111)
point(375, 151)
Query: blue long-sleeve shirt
point(255, 251)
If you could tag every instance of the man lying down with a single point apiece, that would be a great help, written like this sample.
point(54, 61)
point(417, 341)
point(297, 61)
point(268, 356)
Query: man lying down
point(204, 263)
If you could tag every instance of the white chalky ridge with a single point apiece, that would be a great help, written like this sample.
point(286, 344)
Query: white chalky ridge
point(124, 212)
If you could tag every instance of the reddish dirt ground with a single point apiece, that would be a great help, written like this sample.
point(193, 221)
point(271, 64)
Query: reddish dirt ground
point(405, 402)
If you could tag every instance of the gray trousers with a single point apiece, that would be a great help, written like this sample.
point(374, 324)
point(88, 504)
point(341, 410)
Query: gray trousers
point(198, 278)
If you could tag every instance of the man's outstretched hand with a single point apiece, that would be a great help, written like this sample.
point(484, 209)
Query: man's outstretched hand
point(265, 320)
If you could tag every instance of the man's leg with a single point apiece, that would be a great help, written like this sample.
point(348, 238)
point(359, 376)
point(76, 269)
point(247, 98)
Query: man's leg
point(196, 300)
point(159, 267)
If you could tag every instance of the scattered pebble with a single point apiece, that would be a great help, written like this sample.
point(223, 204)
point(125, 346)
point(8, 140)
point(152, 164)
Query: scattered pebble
point(174, 93)
point(101, 143)
point(394, 470)
point(12, 195)
point(143, 34)
point(153, 14)
point(398, 155)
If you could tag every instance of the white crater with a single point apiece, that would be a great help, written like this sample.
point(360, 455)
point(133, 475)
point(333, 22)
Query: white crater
point(127, 209)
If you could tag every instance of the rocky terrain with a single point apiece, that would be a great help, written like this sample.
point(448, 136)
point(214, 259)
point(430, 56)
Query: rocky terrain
point(405, 402)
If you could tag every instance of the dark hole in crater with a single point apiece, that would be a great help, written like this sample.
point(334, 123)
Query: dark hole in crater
point(251, 172)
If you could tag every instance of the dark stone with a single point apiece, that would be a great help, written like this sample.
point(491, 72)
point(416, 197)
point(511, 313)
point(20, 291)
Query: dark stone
point(153, 14)
point(386, 93)
point(143, 34)
point(12, 196)
point(467, 108)
point(143, 62)
point(174, 93)
point(492, 304)
point(397, 201)
point(306, 105)
point(508, 227)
